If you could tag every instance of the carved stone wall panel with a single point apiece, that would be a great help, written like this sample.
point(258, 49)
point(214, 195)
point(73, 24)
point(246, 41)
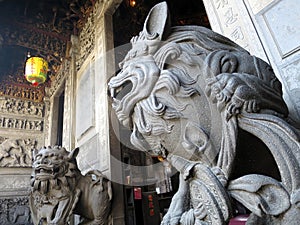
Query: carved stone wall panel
point(15, 211)
point(16, 152)
point(231, 19)
point(281, 30)
point(92, 113)
point(86, 40)
point(22, 91)
point(291, 75)
point(21, 124)
point(258, 5)
point(21, 107)
point(85, 101)
point(89, 155)
point(275, 23)
point(285, 32)
point(20, 182)
point(15, 181)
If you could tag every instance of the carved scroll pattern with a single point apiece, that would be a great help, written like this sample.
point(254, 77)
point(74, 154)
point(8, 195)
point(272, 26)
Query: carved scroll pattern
point(16, 152)
point(15, 211)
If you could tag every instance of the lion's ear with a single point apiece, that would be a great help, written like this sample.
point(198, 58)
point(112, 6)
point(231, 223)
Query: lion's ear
point(158, 22)
point(73, 154)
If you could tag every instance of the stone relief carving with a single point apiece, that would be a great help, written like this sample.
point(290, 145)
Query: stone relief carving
point(58, 79)
point(59, 190)
point(16, 152)
point(188, 94)
point(86, 40)
point(21, 124)
point(23, 91)
point(14, 211)
point(19, 106)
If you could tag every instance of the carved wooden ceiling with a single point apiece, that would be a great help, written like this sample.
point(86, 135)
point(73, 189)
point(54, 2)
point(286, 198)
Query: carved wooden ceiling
point(42, 28)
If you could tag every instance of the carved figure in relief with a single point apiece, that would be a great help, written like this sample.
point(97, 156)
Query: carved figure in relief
point(18, 106)
point(189, 94)
point(16, 152)
point(14, 211)
point(21, 211)
point(5, 150)
point(59, 190)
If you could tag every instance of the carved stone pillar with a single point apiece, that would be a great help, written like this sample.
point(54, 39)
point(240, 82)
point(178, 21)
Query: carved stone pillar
point(70, 96)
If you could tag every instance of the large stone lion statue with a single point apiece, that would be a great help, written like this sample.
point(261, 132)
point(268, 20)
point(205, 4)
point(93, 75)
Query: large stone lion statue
point(205, 104)
point(59, 190)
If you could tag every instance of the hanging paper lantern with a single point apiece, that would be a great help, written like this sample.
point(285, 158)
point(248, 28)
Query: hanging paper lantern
point(36, 70)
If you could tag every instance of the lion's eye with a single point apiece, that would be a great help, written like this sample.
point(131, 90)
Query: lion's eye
point(56, 170)
point(46, 161)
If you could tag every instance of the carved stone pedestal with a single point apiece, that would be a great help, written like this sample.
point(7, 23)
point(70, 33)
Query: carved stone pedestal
point(14, 191)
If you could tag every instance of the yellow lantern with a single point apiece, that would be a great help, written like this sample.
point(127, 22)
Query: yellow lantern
point(36, 70)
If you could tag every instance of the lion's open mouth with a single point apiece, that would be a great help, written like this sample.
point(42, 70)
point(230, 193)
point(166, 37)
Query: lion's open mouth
point(119, 92)
point(46, 172)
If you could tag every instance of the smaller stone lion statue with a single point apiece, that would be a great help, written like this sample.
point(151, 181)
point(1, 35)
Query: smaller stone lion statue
point(60, 190)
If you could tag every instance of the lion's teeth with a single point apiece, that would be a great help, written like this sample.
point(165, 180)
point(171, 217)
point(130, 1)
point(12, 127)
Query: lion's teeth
point(119, 89)
point(112, 92)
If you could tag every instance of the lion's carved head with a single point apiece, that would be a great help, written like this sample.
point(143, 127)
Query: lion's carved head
point(185, 84)
point(54, 168)
point(60, 190)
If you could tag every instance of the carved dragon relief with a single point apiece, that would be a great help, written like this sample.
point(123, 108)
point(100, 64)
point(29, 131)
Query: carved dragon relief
point(60, 190)
point(186, 93)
